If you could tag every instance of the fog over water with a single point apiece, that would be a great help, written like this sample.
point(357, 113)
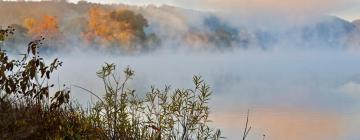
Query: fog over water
point(292, 94)
point(295, 68)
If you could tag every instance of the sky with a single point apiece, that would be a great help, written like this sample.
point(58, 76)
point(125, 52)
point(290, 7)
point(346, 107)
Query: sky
point(347, 9)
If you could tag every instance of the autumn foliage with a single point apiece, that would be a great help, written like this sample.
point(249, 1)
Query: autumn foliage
point(115, 28)
point(48, 27)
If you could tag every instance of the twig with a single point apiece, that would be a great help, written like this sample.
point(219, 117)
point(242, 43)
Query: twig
point(89, 92)
point(264, 136)
point(247, 128)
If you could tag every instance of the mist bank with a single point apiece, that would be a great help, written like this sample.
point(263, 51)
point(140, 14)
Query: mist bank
point(128, 28)
point(294, 89)
point(299, 77)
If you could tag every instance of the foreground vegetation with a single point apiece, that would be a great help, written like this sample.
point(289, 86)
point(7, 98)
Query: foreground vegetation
point(29, 111)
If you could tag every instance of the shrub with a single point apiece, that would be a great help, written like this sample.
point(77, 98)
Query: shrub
point(28, 111)
point(161, 114)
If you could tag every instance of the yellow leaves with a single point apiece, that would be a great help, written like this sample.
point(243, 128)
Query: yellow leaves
point(122, 26)
point(125, 37)
point(47, 27)
point(29, 23)
point(49, 23)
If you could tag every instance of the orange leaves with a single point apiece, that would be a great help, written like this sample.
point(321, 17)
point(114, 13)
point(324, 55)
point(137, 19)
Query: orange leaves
point(122, 27)
point(29, 23)
point(47, 27)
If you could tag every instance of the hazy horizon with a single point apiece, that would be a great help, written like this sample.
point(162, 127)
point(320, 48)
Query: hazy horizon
point(294, 64)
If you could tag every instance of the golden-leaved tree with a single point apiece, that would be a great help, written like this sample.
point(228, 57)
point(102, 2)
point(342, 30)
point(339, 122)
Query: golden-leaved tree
point(48, 26)
point(115, 28)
